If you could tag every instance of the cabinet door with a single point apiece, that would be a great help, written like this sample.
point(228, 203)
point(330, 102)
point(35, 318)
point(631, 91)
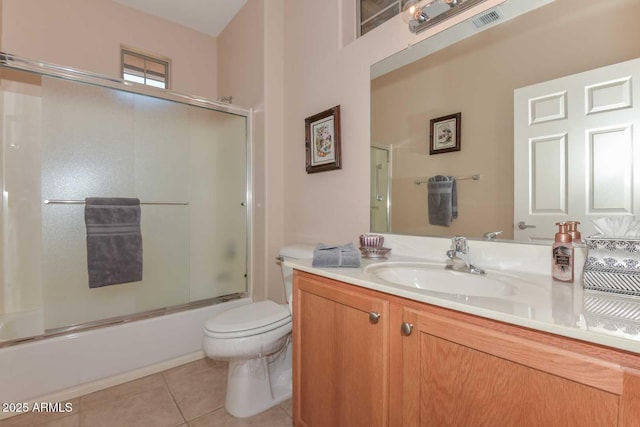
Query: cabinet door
point(458, 374)
point(340, 371)
point(630, 400)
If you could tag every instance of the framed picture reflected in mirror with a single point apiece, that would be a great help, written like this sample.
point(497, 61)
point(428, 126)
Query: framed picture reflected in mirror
point(444, 134)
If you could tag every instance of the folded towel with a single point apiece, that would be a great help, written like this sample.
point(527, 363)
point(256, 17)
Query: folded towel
point(336, 256)
point(442, 200)
point(114, 241)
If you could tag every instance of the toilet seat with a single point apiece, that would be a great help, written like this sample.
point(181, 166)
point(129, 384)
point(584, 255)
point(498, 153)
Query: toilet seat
point(248, 320)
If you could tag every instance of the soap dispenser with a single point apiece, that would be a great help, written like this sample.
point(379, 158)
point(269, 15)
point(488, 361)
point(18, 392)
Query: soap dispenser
point(579, 249)
point(562, 261)
point(576, 237)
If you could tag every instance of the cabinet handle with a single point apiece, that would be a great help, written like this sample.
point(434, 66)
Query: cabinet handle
point(406, 328)
point(374, 317)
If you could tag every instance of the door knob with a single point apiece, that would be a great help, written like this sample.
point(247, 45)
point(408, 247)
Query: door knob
point(406, 328)
point(374, 317)
point(523, 225)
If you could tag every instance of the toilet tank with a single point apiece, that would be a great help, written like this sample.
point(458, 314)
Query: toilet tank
point(294, 251)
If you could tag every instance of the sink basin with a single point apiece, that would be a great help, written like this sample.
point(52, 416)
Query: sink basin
point(433, 277)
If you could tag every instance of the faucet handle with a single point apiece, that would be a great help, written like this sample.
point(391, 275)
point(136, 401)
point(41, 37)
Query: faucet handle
point(491, 235)
point(459, 244)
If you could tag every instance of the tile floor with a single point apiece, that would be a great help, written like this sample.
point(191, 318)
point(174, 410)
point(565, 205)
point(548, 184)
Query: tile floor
point(188, 395)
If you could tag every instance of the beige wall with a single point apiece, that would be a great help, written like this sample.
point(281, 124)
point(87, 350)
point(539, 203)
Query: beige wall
point(320, 73)
point(259, 51)
point(250, 69)
point(242, 77)
point(477, 77)
point(1, 207)
point(274, 149)
point(304, 70)
point(307, 66)
point(88, 34)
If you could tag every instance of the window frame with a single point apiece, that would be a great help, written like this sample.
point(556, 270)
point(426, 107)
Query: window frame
point(163, 61)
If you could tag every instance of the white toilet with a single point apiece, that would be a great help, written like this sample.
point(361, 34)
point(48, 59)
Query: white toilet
point(256, 340)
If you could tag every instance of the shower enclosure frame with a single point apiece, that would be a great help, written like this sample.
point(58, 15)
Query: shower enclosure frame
point(375, 188)
point(79, 76)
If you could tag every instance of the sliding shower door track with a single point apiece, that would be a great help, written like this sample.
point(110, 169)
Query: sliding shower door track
point(119, 320)
point(76, 75)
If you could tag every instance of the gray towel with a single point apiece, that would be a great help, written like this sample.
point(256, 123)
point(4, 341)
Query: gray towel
point(442, 200)
point(114, 241)
point(336, 256)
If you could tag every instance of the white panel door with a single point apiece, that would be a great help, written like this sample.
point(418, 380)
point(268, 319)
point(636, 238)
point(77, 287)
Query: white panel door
point(575, 143)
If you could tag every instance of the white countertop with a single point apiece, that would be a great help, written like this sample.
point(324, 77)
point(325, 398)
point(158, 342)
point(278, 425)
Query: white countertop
point(539, 303)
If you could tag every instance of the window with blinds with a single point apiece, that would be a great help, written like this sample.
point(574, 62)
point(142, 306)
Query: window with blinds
point(144, 68)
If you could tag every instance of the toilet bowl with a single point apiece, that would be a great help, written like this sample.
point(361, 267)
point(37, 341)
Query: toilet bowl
point(256, 341)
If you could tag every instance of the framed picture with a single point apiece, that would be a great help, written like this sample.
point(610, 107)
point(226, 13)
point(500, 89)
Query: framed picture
point(323, 141)
point(444, 135)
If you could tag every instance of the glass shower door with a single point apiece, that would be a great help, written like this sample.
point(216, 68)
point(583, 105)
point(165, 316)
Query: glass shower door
point(65, 140)
point(380, 189)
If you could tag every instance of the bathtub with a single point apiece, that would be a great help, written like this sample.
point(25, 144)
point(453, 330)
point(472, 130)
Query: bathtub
point(64, 367)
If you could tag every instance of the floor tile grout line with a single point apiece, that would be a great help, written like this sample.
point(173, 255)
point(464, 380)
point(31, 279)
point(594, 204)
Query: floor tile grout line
point(216, 364)
point(286, 413)
point(173, 398)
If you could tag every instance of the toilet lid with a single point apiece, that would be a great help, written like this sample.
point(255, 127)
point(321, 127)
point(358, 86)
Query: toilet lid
point(248, 317)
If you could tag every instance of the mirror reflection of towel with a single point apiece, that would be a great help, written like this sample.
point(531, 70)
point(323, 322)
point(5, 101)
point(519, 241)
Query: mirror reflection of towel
point(442, 200)
point(114, 241)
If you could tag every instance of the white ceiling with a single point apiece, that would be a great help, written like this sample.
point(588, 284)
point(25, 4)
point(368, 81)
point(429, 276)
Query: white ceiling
point(207, 16)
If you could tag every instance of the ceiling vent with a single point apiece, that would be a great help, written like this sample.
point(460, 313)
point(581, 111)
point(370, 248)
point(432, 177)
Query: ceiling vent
point(489, 17)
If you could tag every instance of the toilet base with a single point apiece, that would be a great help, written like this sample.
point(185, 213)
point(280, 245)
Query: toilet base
point(255, 385)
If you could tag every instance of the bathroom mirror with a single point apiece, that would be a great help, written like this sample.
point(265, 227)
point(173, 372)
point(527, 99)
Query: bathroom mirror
point(477, 78)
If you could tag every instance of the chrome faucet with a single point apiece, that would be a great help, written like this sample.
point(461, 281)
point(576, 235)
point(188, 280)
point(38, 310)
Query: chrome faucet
point(491, 235)
point(460, 251)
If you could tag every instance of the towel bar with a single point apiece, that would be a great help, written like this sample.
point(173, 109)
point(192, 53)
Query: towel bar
point(473, 177)
point(81, 202)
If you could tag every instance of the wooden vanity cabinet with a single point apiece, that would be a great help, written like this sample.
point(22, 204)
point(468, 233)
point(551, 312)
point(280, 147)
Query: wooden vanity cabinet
point(461, 374)
point(341, 355)
point(422, 365)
